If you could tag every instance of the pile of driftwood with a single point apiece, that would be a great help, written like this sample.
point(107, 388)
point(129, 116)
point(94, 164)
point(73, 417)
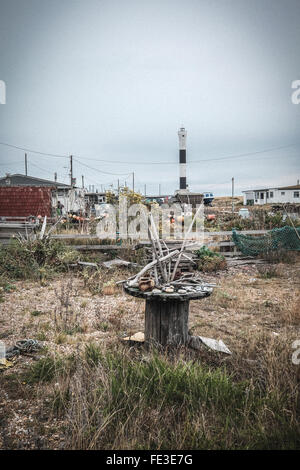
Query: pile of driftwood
point(163, 273)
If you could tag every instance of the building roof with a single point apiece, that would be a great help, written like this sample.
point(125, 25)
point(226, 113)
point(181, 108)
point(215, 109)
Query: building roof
point(23, 180)
point(295, 186)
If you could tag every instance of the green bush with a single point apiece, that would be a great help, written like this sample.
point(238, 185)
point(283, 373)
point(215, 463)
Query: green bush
point(34, 259)
point(209, 260)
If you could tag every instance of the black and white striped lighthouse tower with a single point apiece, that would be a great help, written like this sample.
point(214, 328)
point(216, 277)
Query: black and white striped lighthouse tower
point(182, 159)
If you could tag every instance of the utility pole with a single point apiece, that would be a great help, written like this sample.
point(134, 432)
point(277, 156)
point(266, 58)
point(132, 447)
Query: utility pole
point(71, 169)
point(118, 187)
point(26, 164)
point(55, 176)
point(159, 188)
point(232, 193)
point(82, 179)
point(133, 181)
point(145, 190)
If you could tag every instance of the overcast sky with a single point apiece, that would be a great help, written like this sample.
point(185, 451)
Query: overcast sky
point(114, 80)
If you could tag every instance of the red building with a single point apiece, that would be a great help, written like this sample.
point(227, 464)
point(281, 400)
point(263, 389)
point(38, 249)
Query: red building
point(22, 201)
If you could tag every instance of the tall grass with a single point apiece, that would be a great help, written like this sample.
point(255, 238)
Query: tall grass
point(124, 400)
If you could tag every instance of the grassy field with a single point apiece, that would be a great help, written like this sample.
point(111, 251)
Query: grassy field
point(86, 389)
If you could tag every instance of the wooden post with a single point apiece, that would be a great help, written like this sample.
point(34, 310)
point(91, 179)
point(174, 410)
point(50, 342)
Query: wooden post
point(166, 322)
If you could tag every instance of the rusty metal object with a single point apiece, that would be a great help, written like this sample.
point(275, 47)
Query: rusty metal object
point(146, 284)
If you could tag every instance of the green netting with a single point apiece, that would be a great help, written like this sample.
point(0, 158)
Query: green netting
point(286, 238)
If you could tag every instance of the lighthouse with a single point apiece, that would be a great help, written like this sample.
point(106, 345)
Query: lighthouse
point(182, 159)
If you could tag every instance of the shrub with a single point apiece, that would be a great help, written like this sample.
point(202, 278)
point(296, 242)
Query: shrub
point(209, 260)
point(34, 259)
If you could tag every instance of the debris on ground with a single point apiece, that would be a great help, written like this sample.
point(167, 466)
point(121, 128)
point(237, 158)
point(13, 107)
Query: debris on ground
point(24, 346)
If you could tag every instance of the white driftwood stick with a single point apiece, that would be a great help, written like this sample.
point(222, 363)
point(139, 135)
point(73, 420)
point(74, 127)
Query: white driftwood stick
point(153, 251)
point(150, 265)
point(184, 242)
point(54, 226)
point(160, 251)
point(43, 228)
point(169, 263)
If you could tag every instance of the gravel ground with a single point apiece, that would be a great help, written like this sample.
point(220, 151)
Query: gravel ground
point(243, 304)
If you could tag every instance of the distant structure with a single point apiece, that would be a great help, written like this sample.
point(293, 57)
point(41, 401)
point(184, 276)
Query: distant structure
point(183, 195)
point(182, 159)
point(18, 179)
point(272, 195)
point(23, 195)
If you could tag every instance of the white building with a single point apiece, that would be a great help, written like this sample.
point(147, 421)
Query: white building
point(282, 195)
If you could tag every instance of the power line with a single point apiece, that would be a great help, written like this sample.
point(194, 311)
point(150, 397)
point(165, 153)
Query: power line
point(103, 172)
point(42, 169)
point(228, 157)
point(34, 151)
point(12, 163)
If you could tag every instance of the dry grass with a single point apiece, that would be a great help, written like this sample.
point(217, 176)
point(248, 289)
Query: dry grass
point(291, 312)
point(87, 391)
point(118, 399)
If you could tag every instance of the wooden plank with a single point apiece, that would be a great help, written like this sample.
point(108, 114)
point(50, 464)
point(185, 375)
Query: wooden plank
point(243, 232)
point(96, 247)
point(67, 236)
point(166, 322)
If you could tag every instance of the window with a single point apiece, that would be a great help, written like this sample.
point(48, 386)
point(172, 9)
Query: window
point(296, 193)
point(271, 194)
point(282, 193)
point(267, 194)
point(261, 195)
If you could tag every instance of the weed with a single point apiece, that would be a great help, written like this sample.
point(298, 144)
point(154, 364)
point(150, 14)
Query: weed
point(269, 272)
point(36, 313)
point(103, 326)
point(92, 354)
point(44, 370)
point(41, 336)
point(66, 319)
point(50, 367)
point(61, 338)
